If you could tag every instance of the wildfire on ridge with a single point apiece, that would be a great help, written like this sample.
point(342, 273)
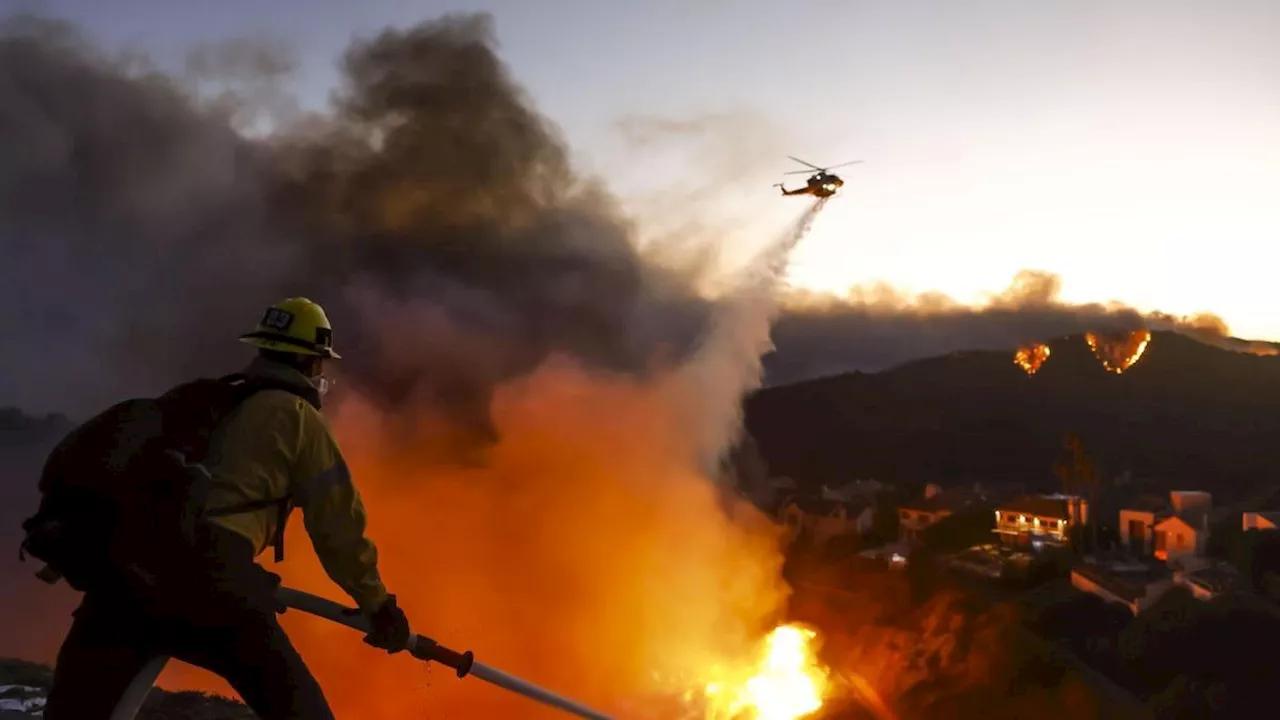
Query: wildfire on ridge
point(1119, 353)
point(1031, 357)
point(786, 681)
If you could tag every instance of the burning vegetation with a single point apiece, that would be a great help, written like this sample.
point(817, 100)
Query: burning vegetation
point(785, 682)
point(872, 328)
point(1031, 357)
point(588, 553)
point(1118, 353)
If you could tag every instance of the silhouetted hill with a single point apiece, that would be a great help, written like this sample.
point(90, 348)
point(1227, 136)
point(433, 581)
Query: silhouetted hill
point(1187, 414)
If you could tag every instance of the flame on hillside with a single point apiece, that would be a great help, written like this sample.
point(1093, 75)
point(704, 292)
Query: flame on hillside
point(783, 681)
point(1118, 353)
point(1031, 357)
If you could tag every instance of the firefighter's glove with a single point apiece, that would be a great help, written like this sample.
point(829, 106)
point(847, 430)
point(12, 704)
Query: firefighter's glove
point(388, 627)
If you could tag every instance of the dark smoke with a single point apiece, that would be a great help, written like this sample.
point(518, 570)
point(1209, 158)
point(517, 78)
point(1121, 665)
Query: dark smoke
point(433, 211)
point(133, 228)
point(877, 328)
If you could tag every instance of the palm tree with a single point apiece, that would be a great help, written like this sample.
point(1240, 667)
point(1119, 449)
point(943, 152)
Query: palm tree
point(1080, 479)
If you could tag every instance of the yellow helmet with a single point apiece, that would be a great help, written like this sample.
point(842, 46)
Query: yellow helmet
point(294, 325)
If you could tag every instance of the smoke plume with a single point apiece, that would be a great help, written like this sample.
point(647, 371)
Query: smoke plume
point(874, 328)
point(433, 212)
point(533, 409)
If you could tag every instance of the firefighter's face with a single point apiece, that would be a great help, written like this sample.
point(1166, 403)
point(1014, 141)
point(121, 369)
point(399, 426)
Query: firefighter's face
point(316, 374)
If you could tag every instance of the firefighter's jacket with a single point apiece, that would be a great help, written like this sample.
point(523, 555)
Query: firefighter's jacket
point(277, 445)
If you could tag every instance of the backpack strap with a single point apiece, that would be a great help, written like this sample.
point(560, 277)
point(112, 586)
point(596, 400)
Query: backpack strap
point(283, 505)
point(247, 386)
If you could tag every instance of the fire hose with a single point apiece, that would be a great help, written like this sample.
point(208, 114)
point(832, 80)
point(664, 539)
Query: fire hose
point(420, 647)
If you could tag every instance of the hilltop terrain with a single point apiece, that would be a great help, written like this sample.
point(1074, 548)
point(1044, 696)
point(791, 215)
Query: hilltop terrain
point(1186, 414)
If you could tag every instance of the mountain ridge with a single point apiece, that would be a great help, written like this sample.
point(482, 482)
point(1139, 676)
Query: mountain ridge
point(1186, 413)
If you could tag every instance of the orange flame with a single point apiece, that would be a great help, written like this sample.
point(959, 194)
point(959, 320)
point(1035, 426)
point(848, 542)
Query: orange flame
point(785, 683)
point(1118, 354)
point(1031, 357)
point(587, 554)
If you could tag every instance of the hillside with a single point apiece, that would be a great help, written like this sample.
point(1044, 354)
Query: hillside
point(1186, 414)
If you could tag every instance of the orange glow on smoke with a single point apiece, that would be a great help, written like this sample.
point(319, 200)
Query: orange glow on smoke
point(1118, 354)
point(1031, 357)
point(587, 555)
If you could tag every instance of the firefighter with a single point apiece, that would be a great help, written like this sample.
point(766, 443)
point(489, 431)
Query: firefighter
point(274, 452)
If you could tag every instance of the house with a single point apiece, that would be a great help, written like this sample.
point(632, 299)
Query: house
point(1138, 522)
point(821, 519)
point(1208, 582)
point(1136, 585)
point(1037, 520)
point(1260, 521)
point(916, 516)
point(1173, 530)
point(854, 489)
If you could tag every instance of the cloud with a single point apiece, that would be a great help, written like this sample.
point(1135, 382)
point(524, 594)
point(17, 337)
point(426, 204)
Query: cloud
point(874, 328)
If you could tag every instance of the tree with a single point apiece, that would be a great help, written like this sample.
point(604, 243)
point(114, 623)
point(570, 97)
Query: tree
point(959, 531)
point(884, 522)
point(1198, 658)
point(1079, 478)
point(1259, 561)
point(1226, 539)
point(953, 533)
point(1088, 624)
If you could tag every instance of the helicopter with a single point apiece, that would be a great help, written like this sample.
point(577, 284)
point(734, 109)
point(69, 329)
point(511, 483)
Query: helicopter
point(821, 183)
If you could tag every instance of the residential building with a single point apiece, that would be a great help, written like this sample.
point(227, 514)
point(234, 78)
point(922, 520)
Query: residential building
point(1208, 582)
point(1038, 520)
point(821, 519)
point(1173, 530)
point(1136, 585)
point(1260, 521)
point(854, 489)
point(1138, 521)
point(916, 516)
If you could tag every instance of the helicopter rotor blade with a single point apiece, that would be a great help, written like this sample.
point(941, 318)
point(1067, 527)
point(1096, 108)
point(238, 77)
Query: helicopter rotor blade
point(800, 172)
point(802, 162)
point(851, 162)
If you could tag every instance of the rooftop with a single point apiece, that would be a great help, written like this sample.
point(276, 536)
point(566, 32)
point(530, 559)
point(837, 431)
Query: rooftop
point(952, 500)
point(1051, 506)
point(1215, 579)
point(1128, 581)
point(817, 505)
point(961, 498)
point(1163, 507)
point(1154, 504)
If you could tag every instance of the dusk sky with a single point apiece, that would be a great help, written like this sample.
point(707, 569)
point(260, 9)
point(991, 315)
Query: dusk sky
point(1132, 147)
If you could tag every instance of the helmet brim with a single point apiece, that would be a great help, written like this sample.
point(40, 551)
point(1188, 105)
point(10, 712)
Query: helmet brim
point(286, 346)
